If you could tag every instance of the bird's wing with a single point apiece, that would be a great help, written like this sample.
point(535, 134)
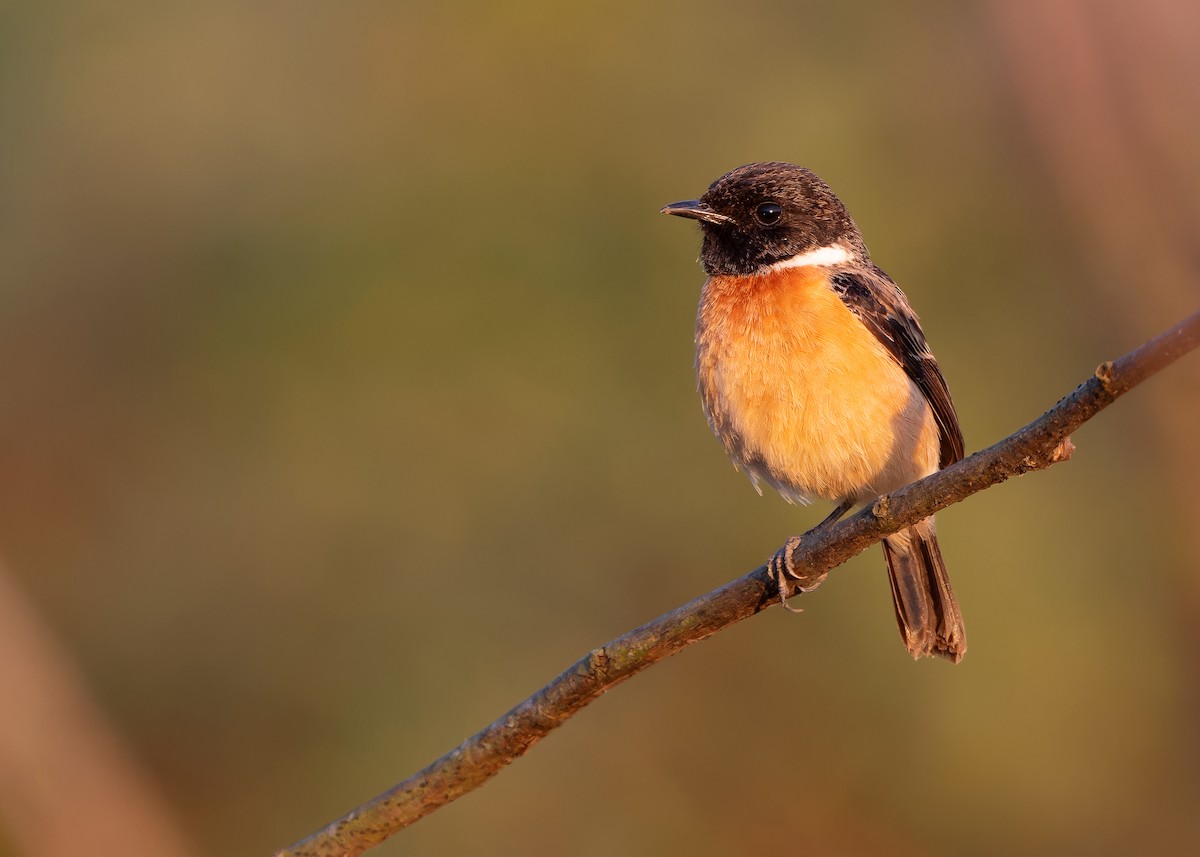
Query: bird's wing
point(879, 304)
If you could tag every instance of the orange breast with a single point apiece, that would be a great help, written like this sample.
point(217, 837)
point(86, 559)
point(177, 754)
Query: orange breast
point(802, 394)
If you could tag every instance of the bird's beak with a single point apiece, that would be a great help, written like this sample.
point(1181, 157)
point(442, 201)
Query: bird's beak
point(696, 210)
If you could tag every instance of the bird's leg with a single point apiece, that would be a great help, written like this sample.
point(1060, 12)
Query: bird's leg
point(780, 567)
point(834, 516)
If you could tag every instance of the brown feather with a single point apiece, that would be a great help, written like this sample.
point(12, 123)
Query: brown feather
point(926, 609)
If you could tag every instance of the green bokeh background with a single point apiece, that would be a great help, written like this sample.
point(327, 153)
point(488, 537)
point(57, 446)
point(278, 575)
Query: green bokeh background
point(346, 398)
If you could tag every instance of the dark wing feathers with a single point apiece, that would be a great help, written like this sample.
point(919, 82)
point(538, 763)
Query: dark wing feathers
point(881, 306)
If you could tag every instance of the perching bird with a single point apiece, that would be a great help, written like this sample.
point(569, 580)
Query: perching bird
point(815, 374)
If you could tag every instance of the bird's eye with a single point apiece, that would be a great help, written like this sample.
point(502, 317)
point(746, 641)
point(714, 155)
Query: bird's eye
point(768, 213)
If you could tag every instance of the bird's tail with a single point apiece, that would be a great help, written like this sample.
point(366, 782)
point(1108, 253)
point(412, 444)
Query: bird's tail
point(926, 610)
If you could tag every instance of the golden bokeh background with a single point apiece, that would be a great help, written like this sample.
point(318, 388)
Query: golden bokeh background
point(346, 398)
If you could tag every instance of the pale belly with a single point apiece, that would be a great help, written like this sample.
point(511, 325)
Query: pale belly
point(805, 399)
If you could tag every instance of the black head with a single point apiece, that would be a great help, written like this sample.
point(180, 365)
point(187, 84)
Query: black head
point(763, 213)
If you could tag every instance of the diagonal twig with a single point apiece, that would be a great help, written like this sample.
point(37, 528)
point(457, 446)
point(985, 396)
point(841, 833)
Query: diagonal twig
point(1043, 442)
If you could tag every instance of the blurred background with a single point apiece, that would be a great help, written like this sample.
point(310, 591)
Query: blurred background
point(346, 397)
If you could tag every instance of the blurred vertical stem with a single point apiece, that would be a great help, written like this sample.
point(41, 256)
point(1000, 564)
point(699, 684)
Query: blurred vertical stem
point(67, 784)
point(1111, 93)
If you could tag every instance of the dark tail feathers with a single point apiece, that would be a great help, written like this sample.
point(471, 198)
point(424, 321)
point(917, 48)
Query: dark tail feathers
point(926, 610)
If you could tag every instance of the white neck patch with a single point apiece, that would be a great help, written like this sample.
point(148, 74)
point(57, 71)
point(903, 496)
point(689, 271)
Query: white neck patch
point(820, 257)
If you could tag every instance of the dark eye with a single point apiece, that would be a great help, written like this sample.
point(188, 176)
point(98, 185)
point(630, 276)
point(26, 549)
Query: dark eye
point(768, 213)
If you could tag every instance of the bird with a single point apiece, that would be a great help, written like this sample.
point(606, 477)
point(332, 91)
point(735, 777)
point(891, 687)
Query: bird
point(816, 377)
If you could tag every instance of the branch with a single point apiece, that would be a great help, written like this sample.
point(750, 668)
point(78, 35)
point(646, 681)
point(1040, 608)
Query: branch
point(1043, 442)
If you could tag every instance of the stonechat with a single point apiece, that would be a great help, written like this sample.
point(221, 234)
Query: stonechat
point(816, 377)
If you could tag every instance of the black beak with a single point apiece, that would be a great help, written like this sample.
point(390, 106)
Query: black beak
point(696, 210)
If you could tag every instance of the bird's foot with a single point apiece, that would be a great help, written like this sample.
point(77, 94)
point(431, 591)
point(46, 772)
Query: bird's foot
point(780, 568)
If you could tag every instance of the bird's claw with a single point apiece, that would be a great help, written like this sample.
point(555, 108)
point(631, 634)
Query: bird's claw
point(780, 568)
